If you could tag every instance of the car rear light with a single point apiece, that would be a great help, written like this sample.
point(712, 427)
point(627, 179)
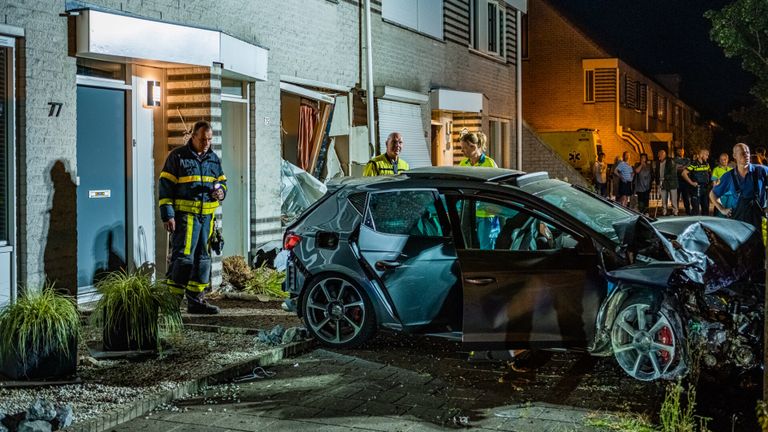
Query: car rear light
point(291, 240)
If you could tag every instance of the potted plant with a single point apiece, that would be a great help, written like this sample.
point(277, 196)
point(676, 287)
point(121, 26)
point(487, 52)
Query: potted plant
point(132, 309)
point(38, 336)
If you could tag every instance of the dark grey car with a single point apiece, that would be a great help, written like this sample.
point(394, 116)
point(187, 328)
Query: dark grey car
point(501, 259)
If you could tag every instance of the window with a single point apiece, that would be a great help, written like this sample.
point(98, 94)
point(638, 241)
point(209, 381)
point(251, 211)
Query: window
point(589, 85)
point(661, 114)
point(498, 139)
point(490, 226)
point(5, 163)
point(405, 213)
point(424, 16)
point(524, 36)
point(487, 26)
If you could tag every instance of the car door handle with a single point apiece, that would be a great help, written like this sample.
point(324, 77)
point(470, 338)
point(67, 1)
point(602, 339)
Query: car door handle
point(480, 281)
point(387, 265)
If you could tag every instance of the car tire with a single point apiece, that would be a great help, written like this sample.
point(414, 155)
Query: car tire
point(648, 341)
point(337, 312)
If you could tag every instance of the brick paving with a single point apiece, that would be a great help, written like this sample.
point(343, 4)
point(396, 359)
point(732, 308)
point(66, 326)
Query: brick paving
point(410, 384)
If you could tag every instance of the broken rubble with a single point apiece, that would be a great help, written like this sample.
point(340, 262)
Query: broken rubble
point(41, 410)
point(35, 426)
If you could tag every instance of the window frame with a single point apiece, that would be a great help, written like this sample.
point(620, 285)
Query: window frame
point(452, 198)
point(480, 29)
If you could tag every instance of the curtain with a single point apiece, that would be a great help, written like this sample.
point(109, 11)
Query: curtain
point(307, 122)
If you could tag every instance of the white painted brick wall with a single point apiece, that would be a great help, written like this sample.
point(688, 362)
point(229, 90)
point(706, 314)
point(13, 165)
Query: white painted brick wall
point(311, 39)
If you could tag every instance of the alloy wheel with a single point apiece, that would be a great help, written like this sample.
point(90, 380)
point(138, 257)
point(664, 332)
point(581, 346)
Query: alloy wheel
point(643, 342)
point(335, 310)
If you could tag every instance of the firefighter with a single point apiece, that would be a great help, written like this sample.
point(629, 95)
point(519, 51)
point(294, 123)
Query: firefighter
point(192, 184)
point(388, 163)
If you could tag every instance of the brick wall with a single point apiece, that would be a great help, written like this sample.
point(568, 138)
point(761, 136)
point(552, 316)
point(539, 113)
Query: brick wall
point(538, 156)
point(553, 79)
point(312, 39)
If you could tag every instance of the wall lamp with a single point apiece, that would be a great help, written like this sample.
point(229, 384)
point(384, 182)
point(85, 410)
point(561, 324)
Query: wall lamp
point(153, 93)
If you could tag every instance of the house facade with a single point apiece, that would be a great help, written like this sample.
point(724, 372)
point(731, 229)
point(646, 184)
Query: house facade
point(95, 94)
point(571, 82)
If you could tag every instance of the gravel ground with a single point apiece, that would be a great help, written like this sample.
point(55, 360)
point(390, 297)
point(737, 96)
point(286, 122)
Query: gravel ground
point(109, 384)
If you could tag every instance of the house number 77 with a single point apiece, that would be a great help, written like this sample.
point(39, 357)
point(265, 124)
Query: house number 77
point(55, 109)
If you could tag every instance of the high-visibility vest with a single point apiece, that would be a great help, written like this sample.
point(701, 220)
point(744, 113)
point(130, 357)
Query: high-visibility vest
point(381, 165)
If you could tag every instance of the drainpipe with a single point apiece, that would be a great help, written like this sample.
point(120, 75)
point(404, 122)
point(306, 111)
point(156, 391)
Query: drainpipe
point(369, 78)
point(519, 92)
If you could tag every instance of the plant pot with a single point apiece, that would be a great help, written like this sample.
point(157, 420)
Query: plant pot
point(41, 364)
point(117, 337)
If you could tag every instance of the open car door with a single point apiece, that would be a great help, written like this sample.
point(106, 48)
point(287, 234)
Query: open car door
point(526, 281)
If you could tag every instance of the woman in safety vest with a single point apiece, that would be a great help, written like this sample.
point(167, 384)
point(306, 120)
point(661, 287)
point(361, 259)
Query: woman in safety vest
point(473, 145)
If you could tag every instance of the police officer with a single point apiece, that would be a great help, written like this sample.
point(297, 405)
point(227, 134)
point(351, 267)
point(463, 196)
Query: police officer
point(390, 162)
point(192, 184)
point(697, 175)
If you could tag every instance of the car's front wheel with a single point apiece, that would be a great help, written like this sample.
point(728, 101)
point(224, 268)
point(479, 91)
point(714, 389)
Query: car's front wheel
point(647, 341)
point(337, 312)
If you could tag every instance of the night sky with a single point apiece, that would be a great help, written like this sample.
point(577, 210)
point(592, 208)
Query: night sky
point(668, 36)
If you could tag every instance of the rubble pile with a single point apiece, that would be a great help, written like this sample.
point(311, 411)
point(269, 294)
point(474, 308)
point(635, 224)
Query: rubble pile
point(41, 416)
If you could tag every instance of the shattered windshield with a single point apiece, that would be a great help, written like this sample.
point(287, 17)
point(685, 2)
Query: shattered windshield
point(589, 210)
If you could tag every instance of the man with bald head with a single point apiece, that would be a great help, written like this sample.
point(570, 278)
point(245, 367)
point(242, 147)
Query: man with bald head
point(390, 162)
point(747, 182)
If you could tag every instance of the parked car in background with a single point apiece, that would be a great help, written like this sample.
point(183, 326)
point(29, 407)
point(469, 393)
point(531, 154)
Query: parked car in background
point(562, 268)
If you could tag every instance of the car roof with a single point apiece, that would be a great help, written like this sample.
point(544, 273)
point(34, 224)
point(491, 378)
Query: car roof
point(461, 173)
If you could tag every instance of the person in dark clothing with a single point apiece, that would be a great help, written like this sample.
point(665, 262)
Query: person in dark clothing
point(192, 184)
point(747, 182)
point(697, 174)
point(643, 179)
point(683, 188)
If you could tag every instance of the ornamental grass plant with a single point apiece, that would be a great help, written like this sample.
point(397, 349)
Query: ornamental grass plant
point(132, 305)
point(40, 323)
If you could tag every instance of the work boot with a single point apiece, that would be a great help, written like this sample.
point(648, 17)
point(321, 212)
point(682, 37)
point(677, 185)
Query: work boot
point(197, 305)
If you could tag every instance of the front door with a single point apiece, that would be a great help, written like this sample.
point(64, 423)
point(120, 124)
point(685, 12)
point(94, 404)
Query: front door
point(526, 282)
point(234, 148)
point(405, 240)
point(101, 193)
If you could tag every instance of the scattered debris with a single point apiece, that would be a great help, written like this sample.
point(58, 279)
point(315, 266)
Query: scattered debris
point(299, 191)
point(41, 416)
point(278, 335)
point(257, 373)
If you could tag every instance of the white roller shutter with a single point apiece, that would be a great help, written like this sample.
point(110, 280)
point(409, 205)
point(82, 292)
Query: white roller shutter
point(406, 119)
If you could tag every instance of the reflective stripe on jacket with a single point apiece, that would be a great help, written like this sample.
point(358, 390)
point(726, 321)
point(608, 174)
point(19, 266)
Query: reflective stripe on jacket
point(186, 182)
point(484, 161)
point(380, 165)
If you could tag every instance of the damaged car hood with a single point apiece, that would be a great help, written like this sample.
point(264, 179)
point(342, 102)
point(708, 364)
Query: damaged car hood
point(708, 251)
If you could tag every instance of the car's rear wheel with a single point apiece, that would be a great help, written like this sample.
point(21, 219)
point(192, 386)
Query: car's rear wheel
point(337, 312)
point(647, 341)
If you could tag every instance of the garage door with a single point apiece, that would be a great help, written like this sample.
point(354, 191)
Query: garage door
point(406, 119)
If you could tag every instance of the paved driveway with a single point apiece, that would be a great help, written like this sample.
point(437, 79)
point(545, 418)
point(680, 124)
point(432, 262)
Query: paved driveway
point(399, 384)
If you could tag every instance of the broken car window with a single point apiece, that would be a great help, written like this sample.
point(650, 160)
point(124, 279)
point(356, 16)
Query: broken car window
point(405, 212)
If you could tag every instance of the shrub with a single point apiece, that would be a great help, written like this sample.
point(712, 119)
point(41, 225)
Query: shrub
point(40, 320)
point(266, 281)
point(134, 297)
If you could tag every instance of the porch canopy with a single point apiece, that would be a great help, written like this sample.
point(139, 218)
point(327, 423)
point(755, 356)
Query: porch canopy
point(128, 39)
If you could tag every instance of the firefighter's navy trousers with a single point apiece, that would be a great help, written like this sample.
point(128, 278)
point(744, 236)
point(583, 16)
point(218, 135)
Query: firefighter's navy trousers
point(190, 267)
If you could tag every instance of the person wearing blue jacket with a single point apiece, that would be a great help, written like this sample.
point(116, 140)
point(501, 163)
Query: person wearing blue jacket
point(192, 184)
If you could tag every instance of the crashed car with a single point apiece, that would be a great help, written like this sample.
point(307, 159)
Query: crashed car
point(501, 259)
